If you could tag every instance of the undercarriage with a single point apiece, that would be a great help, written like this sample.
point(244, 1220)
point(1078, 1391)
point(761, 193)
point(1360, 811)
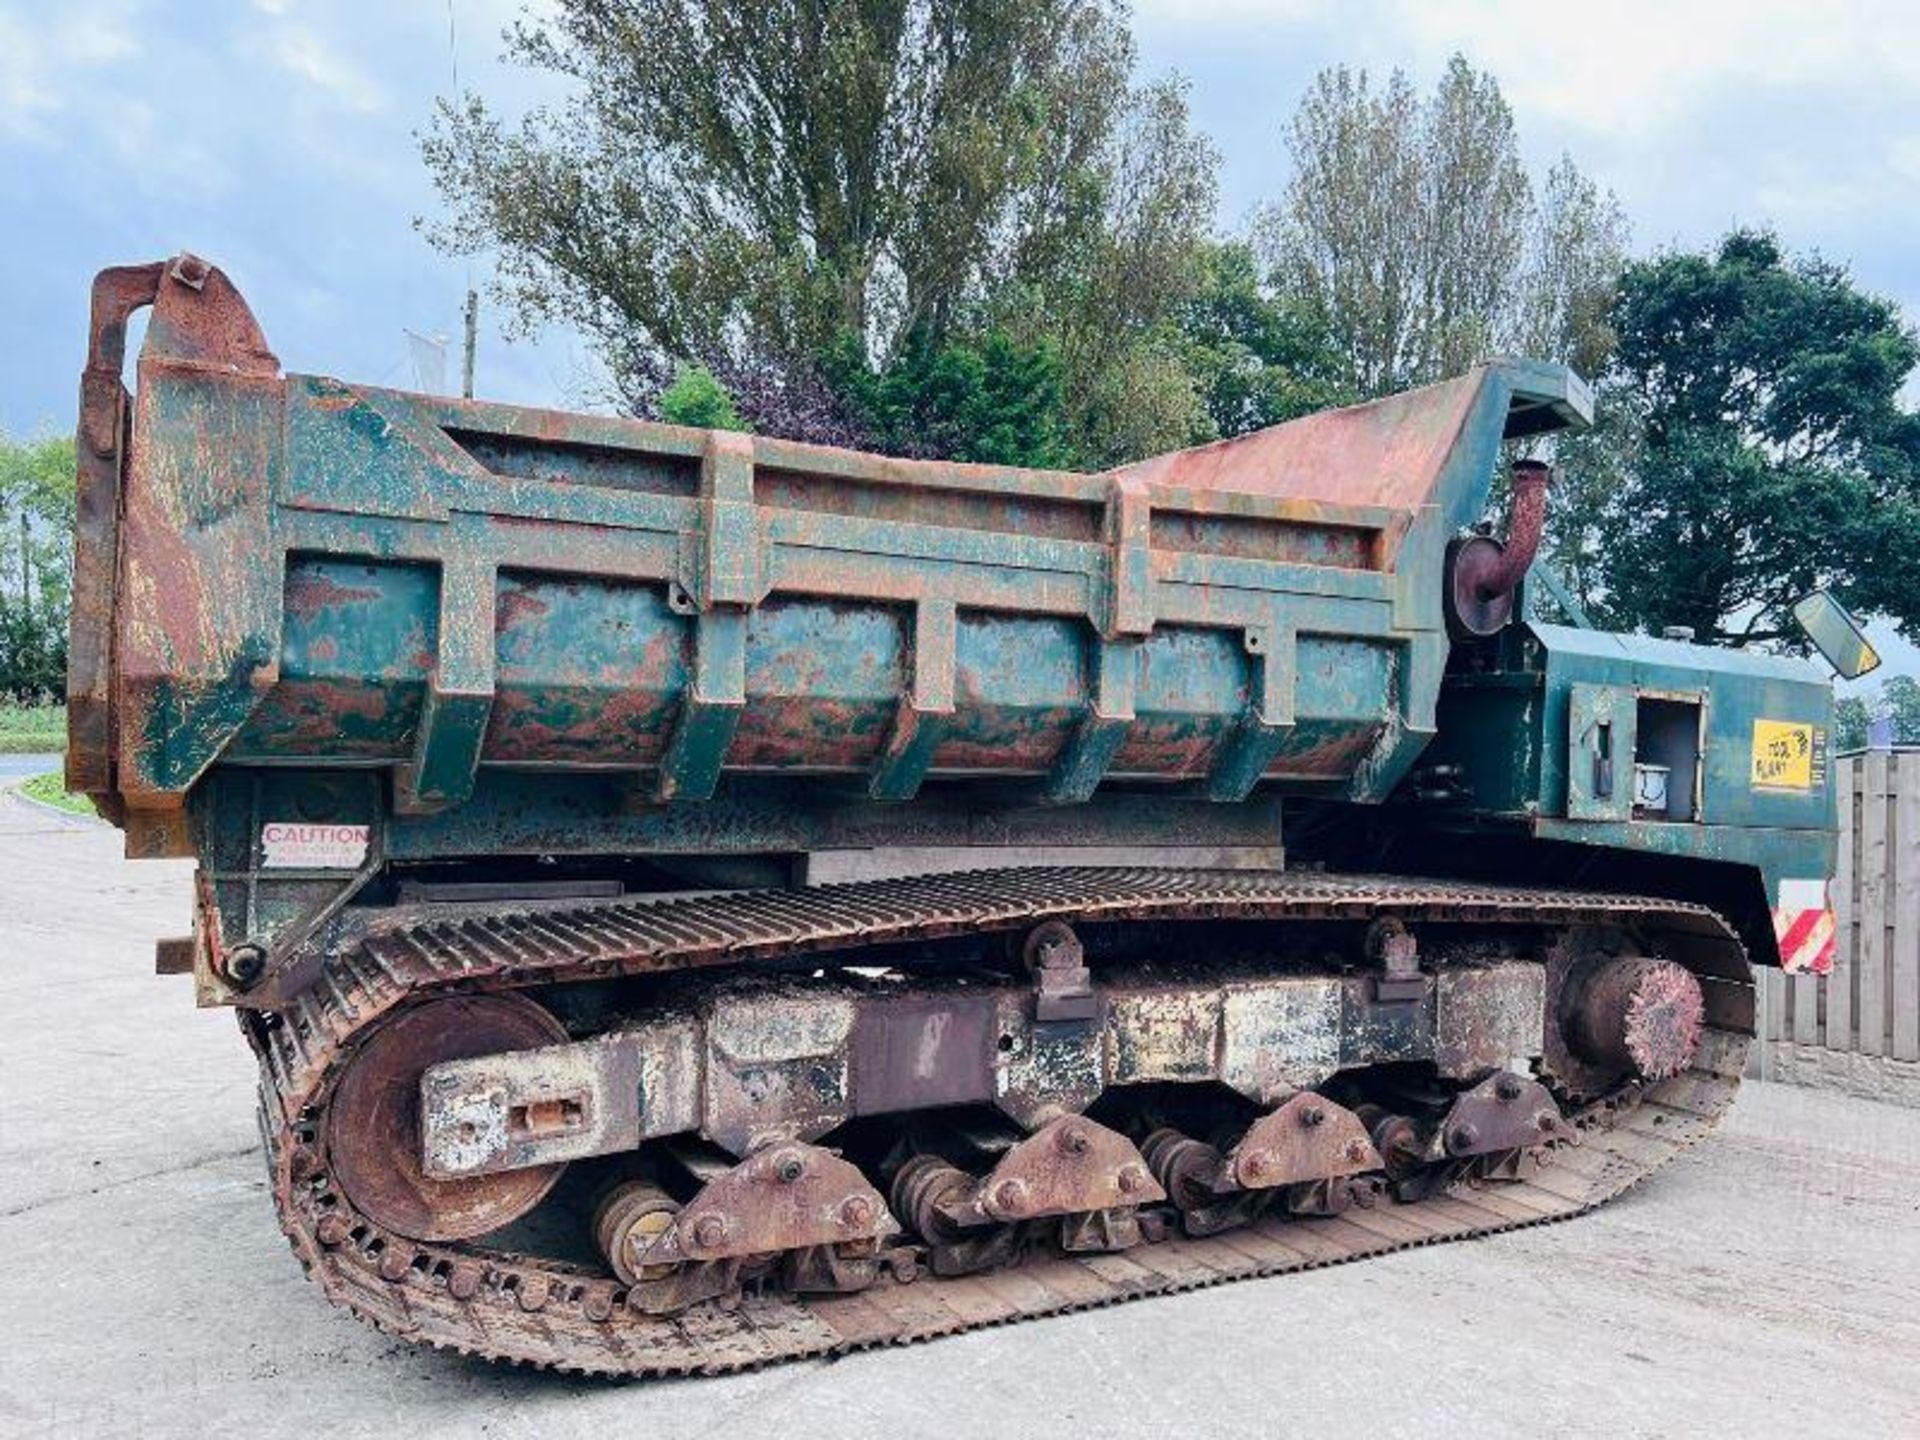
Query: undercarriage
point(705, 1133)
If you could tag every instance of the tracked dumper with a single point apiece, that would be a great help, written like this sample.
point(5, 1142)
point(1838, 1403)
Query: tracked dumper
point(700, 900)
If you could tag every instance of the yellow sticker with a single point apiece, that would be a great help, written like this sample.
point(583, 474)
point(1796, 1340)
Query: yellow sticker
point(1784, 754)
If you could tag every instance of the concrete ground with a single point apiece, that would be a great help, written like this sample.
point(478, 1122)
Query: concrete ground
point(1767, 1284)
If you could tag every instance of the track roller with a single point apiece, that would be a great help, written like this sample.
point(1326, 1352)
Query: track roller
point(798, 1208)
point(937, 1200)
point(1089, 1179)
point(1302, 1155)
point(1306, 1140)
point(1503, 1112)
point(1070, 1166)
point(627, 1222)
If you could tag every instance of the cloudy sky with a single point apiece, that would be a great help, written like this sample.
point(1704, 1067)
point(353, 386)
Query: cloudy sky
point(276, 138)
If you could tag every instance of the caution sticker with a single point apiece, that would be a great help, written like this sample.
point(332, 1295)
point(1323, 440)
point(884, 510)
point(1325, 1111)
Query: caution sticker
point(292, 846)
point(1788, 755)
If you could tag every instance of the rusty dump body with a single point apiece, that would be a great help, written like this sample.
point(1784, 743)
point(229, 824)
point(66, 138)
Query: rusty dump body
point(699, 900)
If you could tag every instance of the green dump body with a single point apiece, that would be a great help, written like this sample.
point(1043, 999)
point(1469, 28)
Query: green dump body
point(329, 575)
point(413, 632)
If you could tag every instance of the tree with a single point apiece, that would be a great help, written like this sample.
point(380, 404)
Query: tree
point(1898, 700)
point(1850, 718)
point(996, 402)
point(696, 398)
point(1773, 455)
point(1257, 357)
point(1411, 231)
point(36, 562)
point(1111, 299)
point(749, 187)
point(1593, 469)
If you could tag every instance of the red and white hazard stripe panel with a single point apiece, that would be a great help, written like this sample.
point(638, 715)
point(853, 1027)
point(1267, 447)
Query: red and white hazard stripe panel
point(1803, 924)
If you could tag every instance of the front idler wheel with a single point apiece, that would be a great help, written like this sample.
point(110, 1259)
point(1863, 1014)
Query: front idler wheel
point(373, 1133)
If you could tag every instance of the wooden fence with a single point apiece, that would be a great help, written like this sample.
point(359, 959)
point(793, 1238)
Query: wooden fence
point(1870, 1004)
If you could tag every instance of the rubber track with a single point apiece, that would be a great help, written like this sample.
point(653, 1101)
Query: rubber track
point(546, 1313)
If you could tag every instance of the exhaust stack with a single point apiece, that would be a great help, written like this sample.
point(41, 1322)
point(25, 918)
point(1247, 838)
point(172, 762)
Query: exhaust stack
point(1483, 573)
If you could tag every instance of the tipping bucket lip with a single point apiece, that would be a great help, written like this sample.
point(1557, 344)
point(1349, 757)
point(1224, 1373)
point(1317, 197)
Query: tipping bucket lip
point(100, 453)
point(200, 322)
point(1387, 452)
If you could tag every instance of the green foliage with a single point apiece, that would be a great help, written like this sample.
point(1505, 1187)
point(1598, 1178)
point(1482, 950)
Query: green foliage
point(740, 185)
point(997, 401)
point(696, 398)
point(50, 789)
point(35, 728)
point(1763, 449)
point(1850, 718)
point(1257, 357)
point(755, 189)
point(1141, 401)
point(1111, 301)
point(33, 647)
point(1898, 698)
point(36, 561)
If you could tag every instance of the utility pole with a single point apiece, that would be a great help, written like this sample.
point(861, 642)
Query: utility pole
point(473, 327)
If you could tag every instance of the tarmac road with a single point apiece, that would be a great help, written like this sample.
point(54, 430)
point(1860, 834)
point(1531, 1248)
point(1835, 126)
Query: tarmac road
point(1766, 1284)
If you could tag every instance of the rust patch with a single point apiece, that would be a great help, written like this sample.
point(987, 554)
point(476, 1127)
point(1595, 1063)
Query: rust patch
point(514, 606)
point(309, 592)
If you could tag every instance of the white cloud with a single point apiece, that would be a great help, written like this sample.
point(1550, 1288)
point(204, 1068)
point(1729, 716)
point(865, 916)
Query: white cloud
point(1796, 197)
point(157, 160)
point(1903, 156)
point(47, 62)
point(1621, 70)
point(1637, 67)
point(303, 54)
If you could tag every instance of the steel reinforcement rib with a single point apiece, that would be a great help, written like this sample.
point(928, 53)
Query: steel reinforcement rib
point(549, 1313)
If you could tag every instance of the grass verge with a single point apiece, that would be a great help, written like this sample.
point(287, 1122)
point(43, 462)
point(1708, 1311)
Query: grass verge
point(32, 729)
point(49, 789)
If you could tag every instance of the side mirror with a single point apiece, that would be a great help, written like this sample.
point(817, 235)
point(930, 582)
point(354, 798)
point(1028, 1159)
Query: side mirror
point(1836, 634)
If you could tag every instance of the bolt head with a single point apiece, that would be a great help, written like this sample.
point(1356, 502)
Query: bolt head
point(857, 1212)
point(1463, 1136)
point(1356, 1150)
point(1546, 1120)
point(1008, 1195)
point(788, 1166)
point(709, 1231)
point(1507, 1087)
point(1256, 1162)
point(1132, 1178)
point(1313, 1115)
point(1073, 1139)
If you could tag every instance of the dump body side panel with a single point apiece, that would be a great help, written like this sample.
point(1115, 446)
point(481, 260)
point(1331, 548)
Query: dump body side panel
point(319, 574)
